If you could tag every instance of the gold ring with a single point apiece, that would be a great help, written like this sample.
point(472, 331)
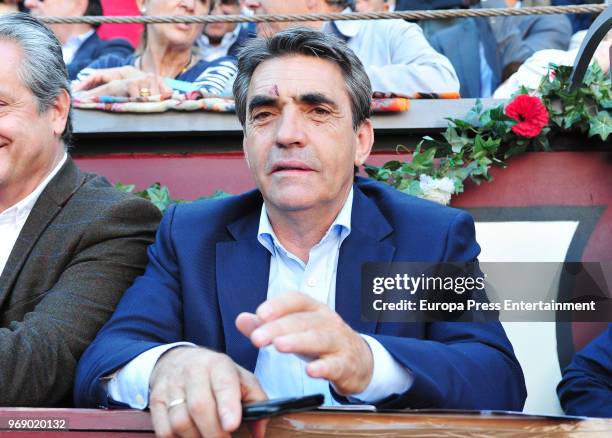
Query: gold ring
point(176, 402)
point(145, 92)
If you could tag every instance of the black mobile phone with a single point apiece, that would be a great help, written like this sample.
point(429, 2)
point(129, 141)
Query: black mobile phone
point(279, 406)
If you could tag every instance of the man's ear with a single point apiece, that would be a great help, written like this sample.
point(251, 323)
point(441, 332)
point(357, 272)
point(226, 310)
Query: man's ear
point(59, 112)
point(244, 148)
point(365, 140)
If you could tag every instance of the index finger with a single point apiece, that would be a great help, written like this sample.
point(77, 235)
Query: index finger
point(290, 302)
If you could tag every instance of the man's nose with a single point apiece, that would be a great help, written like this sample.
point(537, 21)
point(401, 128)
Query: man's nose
point(30, 3)
point(252, 4)
point(290, 129)
point(189, 5)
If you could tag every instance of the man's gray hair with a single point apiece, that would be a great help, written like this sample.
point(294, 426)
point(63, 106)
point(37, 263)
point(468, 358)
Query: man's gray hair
point(43, 69)
point(309, 42)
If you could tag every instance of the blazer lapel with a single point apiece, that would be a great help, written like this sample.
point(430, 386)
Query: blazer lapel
point(48, 205)
point(366, 243)
point(243, 268)
point(242, 271)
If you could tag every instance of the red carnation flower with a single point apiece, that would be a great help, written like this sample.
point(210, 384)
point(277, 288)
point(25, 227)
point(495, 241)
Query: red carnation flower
point(530, 113)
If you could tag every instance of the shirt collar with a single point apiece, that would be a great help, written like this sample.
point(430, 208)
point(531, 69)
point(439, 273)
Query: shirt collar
point(77, 40)
point(347, 28)
point(342, 223)
point(227, 39)
point(22, 208)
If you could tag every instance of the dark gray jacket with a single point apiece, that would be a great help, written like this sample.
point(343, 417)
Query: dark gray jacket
point(81, 247)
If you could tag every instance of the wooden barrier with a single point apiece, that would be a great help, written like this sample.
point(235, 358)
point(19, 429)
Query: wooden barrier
point(77, 423)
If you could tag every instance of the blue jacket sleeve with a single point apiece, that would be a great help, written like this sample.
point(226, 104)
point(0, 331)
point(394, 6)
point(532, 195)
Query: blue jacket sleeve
point(459, 365)
point(135, 328)
point(586, 386)
point(91, 52)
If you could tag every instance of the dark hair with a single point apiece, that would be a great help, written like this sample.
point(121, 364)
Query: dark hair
point(340, 3)
point(309, 42)
point(94, 8)
point(42, 69)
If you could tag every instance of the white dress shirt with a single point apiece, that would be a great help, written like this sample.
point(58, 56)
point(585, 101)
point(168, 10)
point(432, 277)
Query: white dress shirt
point(281, 374)
point(396, 56)
point(72, 45)
point(14, 218)
point(208, 52)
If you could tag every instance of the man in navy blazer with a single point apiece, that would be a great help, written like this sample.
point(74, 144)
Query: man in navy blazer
point(257, 295)
point(81, 44)
point(586, 386)
point(486, 52)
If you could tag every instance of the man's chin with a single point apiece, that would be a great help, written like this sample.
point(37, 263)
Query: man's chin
point(292, 201)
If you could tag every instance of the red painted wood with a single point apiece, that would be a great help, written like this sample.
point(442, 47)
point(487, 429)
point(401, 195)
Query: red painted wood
point(131, 32)
point(83, 419)
point(538, 178)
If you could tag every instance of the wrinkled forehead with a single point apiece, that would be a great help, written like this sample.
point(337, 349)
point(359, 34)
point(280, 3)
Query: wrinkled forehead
point(12, 56)
point(296, 75)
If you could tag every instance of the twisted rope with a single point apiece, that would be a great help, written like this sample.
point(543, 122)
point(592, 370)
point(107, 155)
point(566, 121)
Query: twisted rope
point(406, 15)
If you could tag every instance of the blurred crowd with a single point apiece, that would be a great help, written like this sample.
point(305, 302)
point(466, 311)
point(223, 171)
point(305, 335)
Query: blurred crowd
point(475, 57)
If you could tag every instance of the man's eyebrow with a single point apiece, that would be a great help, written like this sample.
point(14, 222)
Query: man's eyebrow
point(260, 100)
point(316, 99)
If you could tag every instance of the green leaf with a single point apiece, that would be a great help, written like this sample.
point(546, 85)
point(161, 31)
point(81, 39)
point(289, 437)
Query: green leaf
point(159, 196)
point(515, 149)
point(571, 118)
point(461, 124)
point(455, 140)
point(491, 116)
point(411, 187)
point(601, 125)
point(423, 161)
point(392, 165)
point(593, 74)
point(127, 188)
point(372, 171)
point(473, 115)
point(219, 194)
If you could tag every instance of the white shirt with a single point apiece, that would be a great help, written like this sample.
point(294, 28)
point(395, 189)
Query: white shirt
point(208, 52)
point(281, 374)
point(14, 218)
point(397, 57)
point(72, 45)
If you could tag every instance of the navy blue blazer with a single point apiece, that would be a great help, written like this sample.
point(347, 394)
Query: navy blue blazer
point(93, 48)
point(244, 35)
point(460, 43)
point(586, 386)
point(207, 266)
point(579, 21)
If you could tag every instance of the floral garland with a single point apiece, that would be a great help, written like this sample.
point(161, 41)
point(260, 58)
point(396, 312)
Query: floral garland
point(469, 147)
point(438, 168)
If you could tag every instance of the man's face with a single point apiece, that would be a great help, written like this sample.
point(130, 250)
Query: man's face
point(215, 31)
point(371, 6)
point(58, 8)
point(266, 7)
point(29, 142)
point(299, 139)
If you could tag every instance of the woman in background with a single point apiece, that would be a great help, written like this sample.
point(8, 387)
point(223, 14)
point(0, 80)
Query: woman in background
point(166, 60)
